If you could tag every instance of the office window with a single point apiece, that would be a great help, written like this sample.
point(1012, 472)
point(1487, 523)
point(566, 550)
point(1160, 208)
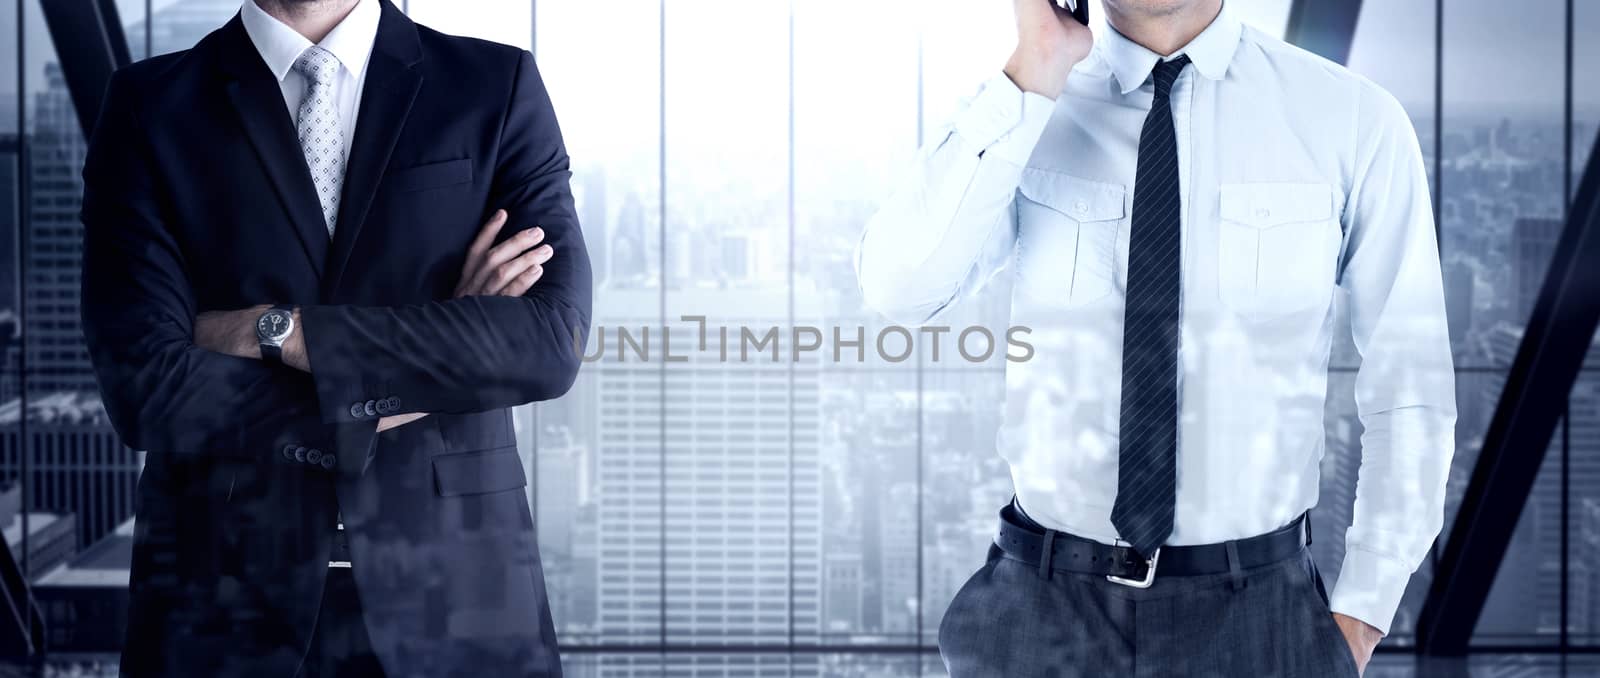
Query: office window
point(598, 474)
point(725, 156)
point(55, 442)
point(1581, 433)
point(853, 128)
point(504, 21)
point(179, 24)
point(10, 199)
point(1583, 413)
point(1505, 165)
point(1502, 167)
point(725, 248)
point(136, 30)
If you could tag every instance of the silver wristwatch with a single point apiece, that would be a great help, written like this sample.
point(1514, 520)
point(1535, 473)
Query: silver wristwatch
point(272, 329)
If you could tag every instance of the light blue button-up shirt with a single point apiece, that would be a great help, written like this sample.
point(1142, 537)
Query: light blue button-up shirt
point(1301, 182)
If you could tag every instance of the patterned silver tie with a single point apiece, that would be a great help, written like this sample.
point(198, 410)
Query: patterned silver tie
point(321, 135)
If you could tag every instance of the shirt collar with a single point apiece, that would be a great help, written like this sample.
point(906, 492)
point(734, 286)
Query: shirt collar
point(351, 41)
point(1210, 52)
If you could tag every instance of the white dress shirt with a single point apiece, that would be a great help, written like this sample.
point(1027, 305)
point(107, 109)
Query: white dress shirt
point(351, 42)
point(1300, 182)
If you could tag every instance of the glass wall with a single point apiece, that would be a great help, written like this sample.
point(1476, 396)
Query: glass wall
point(1582, 432)
point(1501, 146)
point(1504, 161)
point(815, 516)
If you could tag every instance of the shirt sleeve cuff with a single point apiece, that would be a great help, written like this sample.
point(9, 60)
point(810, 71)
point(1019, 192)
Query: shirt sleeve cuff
point(1370, 587)
point(1005, 120)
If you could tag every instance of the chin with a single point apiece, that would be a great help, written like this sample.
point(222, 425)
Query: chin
point(1152, 7)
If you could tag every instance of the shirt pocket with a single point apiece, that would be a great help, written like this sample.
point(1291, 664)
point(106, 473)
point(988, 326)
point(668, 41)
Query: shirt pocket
point(1067, 236)
point(1278, 248)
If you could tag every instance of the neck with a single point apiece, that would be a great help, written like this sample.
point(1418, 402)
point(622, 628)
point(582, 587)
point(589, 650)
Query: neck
point(313, 19)
point(1162, 30)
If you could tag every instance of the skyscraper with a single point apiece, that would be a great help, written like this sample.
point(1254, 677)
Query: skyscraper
point(56, 358)
point(10, 168)
point(76, 464)
point(737, 532)
point(1534, 243)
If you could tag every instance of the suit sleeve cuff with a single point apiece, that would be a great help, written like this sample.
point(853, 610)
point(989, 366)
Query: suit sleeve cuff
point(343, 449)
point(1370, 587)
point(343, 395)
point(1005, 120)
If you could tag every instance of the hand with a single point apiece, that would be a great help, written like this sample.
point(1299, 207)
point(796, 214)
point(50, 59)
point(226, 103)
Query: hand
point(1049, 43)
point(230, 332)
point(398, 420)
point(508, 269)
point(1361, 636)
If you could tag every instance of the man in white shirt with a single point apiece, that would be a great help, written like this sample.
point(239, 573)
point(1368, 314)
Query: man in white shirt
point(1177, 207)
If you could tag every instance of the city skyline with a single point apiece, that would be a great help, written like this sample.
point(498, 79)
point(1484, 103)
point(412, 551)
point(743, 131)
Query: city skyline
point(882, 479)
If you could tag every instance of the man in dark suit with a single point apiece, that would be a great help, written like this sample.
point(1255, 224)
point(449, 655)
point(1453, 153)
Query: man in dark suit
point(302, 322)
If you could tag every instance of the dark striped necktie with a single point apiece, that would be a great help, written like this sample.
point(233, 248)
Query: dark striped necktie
point(1148, 458)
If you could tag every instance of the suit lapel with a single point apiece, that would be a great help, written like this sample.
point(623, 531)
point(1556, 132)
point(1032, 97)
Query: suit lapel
point(391, 87)
point(258, 100)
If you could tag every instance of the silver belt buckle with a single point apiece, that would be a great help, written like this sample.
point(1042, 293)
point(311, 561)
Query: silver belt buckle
point(1149, 574)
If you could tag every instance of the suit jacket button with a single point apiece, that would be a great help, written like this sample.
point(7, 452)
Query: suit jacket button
point(288, 451)
point(394, 403)
point(300, 452)
point(358, 411)
point(383, 406)
point(371, 408)
point(314, 456)
point(328, 461)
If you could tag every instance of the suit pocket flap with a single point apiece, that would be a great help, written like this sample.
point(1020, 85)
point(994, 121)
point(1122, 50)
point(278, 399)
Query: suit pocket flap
point(433, 175)
point(1080, 199)
point(1269, 204)
point(478, 472)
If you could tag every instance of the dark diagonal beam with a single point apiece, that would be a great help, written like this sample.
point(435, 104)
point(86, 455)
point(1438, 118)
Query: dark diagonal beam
point(90, 46)
point(1553, 347)
point(1325, 27)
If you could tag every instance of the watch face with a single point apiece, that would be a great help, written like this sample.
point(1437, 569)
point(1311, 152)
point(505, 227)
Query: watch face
point(274, 325)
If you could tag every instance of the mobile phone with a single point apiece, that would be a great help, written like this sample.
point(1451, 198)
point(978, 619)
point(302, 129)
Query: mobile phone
point(1079, 9)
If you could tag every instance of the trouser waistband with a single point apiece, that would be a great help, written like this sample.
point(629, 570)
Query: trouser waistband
point(1020, 538)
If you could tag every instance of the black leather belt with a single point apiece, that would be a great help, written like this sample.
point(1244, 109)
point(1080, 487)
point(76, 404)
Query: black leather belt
point(1022, 540)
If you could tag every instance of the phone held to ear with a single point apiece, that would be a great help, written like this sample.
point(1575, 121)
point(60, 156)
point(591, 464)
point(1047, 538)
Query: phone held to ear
point(1079, 9)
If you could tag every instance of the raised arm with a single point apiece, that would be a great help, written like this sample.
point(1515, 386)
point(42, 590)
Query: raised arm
point(473, 353)
point(951, 224)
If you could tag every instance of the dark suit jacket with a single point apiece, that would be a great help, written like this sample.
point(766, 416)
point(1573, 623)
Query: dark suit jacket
point(197, 198)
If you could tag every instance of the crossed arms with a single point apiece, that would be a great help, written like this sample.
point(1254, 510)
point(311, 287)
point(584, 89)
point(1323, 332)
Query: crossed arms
point(167, 393)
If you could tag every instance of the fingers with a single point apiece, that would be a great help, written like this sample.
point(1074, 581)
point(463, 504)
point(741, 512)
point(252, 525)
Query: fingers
point(507, 274)
point(480, 245)
point(482, 280)
point(522, 283)
point(398, 420)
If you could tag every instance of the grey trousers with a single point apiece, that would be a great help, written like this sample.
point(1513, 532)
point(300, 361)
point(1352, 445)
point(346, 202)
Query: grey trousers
point(1009, 621)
